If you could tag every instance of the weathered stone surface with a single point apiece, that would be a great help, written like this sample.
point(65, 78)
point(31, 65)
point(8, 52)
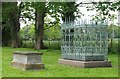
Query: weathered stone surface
point(27, 53)
point(85, 64)
point(27, 60)
point(28, 66)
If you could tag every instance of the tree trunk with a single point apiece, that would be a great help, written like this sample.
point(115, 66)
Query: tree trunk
point(15, 26)
point(39, 29)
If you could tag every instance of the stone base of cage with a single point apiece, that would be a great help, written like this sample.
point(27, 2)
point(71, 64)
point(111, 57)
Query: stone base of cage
point(85, 64)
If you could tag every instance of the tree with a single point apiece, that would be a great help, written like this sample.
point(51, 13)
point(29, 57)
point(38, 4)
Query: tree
point(15, 26)
point(103, 10)
point(41, 8)
point(40, 11)
point(6, 33)
point(68, 11)
point(11, 21)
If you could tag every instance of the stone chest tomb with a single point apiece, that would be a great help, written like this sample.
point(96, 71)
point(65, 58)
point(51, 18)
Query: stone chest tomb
point(27, 60)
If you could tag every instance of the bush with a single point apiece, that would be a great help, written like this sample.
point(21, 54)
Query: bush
point(27, 44)
point(114, 47)
point(47, 44)
point(52, 44)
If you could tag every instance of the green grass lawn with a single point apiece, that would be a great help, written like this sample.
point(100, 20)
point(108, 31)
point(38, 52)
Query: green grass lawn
point(52, 68)
point(0, 62)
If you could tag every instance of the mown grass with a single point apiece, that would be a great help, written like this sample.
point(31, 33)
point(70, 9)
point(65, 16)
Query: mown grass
point(52, 68)
point(0, 62)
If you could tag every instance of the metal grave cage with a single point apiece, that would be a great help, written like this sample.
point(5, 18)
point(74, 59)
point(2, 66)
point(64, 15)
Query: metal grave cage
point(85, 40)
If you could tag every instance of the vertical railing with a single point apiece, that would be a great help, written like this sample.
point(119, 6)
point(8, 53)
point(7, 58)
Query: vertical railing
point(106, 47)
point(88, 38)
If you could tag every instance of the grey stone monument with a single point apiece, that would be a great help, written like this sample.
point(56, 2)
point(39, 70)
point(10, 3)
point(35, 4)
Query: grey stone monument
point(27, 60)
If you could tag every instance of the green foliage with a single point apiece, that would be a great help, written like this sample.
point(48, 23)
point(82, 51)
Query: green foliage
point(68, 10)
point(38, 6)
point(31, 7)
point(53, 33)
point(28, 32)
point(113, 36)
point(114, 31)
point(115, 47)
point(27, 11)
point(103, 9)
point(7, 9)
point(48, 44)
point(52, 44)
point(28, 44)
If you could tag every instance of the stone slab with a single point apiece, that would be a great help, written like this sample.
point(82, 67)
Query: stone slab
point(27, 53)
point(85, 64)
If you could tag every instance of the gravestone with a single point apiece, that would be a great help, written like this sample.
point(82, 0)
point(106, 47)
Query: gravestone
point(27, 60)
